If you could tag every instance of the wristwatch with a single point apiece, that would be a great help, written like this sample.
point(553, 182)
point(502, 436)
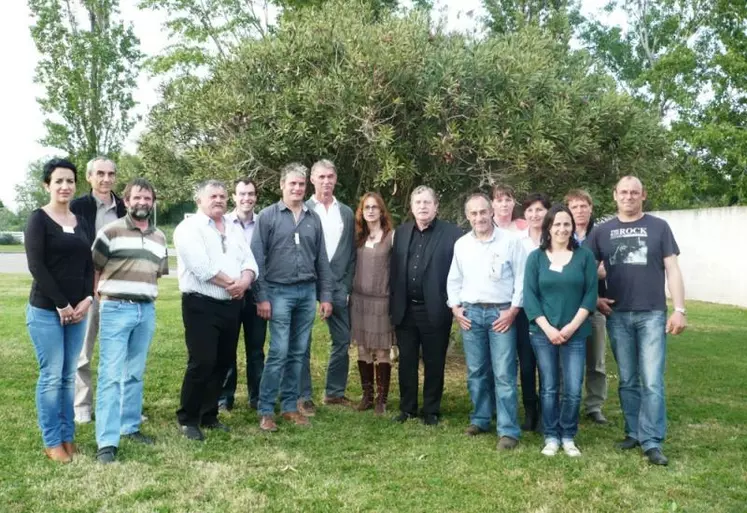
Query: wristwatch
point(681, 310)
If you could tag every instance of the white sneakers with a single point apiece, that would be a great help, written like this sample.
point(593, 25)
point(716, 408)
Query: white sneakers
point(550, 448)
point(569, 447)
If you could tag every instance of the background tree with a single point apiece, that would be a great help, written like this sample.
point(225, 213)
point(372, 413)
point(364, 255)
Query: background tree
point(395, 103)
point(30, 193)
point(558, 17)
point(686, 59)
point(88, 66)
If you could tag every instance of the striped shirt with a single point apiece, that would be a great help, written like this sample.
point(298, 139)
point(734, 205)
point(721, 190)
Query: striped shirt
point(202, 252)
point(130, 260)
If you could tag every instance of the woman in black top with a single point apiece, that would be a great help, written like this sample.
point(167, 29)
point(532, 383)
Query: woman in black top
point(59, 258)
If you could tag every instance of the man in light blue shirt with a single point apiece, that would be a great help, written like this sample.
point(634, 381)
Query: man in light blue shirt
point(485, 289)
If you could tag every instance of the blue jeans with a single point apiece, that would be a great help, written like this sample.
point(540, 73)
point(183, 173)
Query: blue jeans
point(639, 343)
point(125, 333)
point(57, 349)
point(293, 312)
point(485, 349)
point(560, 416)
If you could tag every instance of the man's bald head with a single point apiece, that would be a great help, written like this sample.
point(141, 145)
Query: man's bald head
point(629, 181)
point(629, 196)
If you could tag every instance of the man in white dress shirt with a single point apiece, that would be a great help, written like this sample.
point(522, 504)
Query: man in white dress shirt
point(485, 292)
point(215, 267)
point(338, 225)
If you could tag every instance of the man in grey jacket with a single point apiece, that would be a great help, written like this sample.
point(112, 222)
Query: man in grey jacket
point(338, 225)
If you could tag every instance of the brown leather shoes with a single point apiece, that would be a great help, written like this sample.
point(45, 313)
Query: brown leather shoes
point(337, 401)
point(306, 408)
point(58, 454)
point(70, 448)
point(267, 424)
point(297, 418)
point(473, 430)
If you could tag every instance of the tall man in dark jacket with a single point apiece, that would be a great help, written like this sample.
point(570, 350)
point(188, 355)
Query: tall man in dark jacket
point(421, 258)
point(338, 225)
point(99, 207)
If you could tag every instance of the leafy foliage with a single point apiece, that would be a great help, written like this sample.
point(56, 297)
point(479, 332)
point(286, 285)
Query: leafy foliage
point(88, 70)
point(395, 104)
point(687, 59)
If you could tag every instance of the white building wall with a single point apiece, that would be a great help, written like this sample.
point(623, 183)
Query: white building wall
point(713, 258)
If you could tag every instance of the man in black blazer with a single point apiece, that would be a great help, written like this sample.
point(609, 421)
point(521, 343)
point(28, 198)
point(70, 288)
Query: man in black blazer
point(99, 208)
point(421, 258)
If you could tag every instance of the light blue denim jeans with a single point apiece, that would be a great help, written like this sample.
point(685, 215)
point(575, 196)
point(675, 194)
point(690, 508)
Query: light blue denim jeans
point(560, 415)
point(57, 349)
point(639, 343)
point(125, 333)
point(485, 349)
point(293, 312)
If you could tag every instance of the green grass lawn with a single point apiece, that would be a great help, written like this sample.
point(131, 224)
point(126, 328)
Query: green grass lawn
point(349, 461)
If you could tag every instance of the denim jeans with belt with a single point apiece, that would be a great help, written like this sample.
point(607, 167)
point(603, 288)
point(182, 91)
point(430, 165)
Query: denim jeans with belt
point(560, 416)
point(293, 312)
point(639, 343)
point(57, 348)
point(126, 330)
point(486, 349)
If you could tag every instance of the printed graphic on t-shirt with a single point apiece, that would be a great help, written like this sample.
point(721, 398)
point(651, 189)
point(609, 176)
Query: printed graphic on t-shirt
point(629, 246)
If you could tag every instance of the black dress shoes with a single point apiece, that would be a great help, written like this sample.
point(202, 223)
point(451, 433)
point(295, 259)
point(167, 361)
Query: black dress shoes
point(597, 418)
point(192, 432)
point(216, 425)
point(106, 454)
point(628, 444)
point(430, 419)
point(656, 457)
point(403, 417)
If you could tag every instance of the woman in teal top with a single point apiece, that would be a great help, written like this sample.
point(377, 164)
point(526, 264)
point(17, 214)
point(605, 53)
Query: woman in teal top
point(560, 292)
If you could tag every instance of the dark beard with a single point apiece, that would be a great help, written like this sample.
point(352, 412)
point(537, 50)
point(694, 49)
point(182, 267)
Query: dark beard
point(140, 214)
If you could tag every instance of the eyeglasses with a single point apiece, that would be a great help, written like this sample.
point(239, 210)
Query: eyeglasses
point(371, 208)
point(223, 242)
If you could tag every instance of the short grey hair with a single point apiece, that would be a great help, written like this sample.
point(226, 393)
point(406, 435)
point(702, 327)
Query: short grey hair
point(476, 195)
point(421, 189)
point(202, 186)
point(100, 158)
point(323, 164)
point(294, 168)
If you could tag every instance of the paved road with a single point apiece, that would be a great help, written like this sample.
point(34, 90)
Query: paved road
point(15, 263)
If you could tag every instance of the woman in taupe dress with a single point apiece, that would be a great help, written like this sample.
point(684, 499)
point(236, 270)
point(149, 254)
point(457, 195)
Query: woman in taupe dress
point(372, 330)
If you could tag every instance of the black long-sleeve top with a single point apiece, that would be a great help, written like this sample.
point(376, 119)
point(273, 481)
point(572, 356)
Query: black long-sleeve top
point(60, 262)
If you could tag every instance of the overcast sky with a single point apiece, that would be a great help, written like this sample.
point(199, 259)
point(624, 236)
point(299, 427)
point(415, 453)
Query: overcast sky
point(22, 122)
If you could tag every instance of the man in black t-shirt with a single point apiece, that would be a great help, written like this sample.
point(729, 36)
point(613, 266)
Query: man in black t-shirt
point(639, 252)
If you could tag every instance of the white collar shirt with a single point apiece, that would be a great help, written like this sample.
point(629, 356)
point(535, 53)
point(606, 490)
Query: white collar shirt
point(332, 224)
point(527, 241)
point(202, 252)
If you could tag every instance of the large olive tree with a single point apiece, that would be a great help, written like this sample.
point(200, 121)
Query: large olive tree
point(396, 102)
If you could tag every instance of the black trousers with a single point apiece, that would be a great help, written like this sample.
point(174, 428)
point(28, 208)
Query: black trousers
point(210, 332)
point(416, 334)
point(527, 363)
point(255, 331)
